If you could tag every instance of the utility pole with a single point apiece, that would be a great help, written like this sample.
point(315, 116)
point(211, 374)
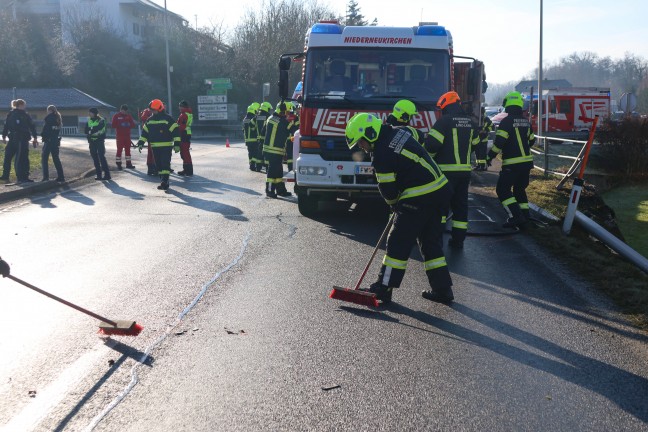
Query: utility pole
point(540, 100)
point(168, 67)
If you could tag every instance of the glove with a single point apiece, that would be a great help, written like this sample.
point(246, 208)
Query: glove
point(176, 149)
point(140, 146)
point(4, 268)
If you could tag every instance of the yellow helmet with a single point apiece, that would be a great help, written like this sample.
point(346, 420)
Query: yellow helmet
point(362, 125)
point(265, 106)
point(513, 99)
point(404, 110)
point(254, 107)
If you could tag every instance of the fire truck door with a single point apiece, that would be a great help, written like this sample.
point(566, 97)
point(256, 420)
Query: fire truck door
point(563, 119)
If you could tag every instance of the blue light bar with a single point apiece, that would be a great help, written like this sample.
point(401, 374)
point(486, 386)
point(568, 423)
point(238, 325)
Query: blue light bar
point(431, 30)
point(326, 28)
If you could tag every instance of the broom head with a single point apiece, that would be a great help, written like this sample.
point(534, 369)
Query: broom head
point(354, 296)
point(122, 328)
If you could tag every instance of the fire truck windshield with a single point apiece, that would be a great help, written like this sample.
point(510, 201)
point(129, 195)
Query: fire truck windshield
point(374, 72)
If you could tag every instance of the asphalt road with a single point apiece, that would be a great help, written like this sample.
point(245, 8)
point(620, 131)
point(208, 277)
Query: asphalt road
point(240, 335)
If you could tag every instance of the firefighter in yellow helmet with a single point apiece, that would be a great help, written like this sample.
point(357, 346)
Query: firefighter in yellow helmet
point(513, 140)
point(274, 149)
point(162, 133)
point(261, 118)
point(414, 187)
point(450, 143)
point(401, 116)
point(250, 135)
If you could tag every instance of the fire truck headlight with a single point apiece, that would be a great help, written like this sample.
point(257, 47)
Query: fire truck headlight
point(310, 170)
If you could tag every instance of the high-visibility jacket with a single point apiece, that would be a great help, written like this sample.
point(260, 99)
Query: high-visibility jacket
point(451, 139)
point(250, 131)
point(96, 129)
point(276, 134)
point(261, 119)
point(418, 134)
point(404, 170)
point(185, 120)
point(160, 130)
point(514, 138)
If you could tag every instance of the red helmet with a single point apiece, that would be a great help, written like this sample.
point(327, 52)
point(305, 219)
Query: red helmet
point(447, 99)
point(156, 105)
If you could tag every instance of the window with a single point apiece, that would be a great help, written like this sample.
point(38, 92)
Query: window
point(136, 29)
point(565, 106)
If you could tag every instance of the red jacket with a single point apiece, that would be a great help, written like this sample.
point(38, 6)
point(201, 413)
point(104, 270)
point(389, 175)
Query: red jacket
point(123, 123)
point(145, 115)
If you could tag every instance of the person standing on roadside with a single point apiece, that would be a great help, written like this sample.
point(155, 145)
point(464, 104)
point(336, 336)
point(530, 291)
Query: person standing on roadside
point(123, 122)
point(162, 133)
point(513, 140)
point(51, 136)
point(185, 120)
point(450, 143)
point(95, 131)
point(150, 160)
point(19, 127)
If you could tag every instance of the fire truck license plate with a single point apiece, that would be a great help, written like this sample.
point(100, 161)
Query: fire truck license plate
point(366, 170)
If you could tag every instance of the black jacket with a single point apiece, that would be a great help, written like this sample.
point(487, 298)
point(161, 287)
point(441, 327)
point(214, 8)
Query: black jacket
point(19, 126)
point(404, 170)
point(51, 129)
point(514, 139)
point(161, 130)
point(451, 139)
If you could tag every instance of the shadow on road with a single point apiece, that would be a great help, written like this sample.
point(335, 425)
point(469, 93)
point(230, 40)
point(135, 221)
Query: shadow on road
point(228, 211)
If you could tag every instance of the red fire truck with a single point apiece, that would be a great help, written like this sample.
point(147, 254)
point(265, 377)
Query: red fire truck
point(350, 69)
point(569, 112)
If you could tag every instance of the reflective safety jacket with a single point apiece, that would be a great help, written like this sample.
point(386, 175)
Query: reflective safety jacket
point(277, 132)
point(261, 119)
point(293, 126)
point(451, 139)
point(514, 138)
point(486, 128)
point(160, 130)
point(250, 132)
point(185, 120)
point(95, 130)
point(418, 134)
point(404, 170)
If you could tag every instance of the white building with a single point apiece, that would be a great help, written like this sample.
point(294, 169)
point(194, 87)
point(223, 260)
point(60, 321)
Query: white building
point(133, 20)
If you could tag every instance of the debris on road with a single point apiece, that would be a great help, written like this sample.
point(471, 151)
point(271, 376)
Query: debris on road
point(330, 387)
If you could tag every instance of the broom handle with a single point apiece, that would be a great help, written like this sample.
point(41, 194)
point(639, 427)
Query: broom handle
point(382, 237)
point(65, 302)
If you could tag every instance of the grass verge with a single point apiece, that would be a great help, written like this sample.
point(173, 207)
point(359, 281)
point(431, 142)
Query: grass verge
point(34, 161)
point(591, 259)
point(630, 203)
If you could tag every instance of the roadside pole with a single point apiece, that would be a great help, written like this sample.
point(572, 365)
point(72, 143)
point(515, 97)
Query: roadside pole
point(578, 183)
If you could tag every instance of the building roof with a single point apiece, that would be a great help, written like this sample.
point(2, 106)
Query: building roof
point(62, 98)
point(525, 86)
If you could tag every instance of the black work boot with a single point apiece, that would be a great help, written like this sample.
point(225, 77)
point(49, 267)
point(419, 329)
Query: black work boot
point(439, 296)
point(281, 190)
point(270, 191)
point(130, 165)
point(119, 167)
point(383, 292)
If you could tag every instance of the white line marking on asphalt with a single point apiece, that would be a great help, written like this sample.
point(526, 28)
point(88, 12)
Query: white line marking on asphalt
point(134, 377)
point(487, 217)
point(47, 398)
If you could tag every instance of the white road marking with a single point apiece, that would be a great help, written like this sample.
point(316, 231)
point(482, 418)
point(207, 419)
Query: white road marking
point(47, 398)
point(134, 377)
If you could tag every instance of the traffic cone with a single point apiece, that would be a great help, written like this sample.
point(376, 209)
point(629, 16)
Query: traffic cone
point(227, 142)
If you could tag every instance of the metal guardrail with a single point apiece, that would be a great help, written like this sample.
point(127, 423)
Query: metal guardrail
point(572, 169)
point(69, 130)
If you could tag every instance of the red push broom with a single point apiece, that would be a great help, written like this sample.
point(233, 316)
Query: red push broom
point(106, 326)
point(354, 295)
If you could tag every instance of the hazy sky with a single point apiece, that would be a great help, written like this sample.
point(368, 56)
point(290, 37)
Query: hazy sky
point(502, 33)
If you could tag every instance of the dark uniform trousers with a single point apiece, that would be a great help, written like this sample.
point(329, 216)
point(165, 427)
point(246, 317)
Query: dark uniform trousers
point(459, 181)
point(481, 151)
point(274, 176)
point(422, 224)
point(516, 177)
point(10, 152)
point(162, 157)
point(98, 153)
point(22, 160)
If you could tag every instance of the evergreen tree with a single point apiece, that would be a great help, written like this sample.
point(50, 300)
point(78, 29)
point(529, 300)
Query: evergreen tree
point(353, 16)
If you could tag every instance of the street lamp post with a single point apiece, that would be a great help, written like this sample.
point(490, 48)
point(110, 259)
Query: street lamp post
point(540, 100)
point(168, 67)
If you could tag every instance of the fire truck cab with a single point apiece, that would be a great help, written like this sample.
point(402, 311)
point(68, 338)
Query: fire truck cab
point(350, 69)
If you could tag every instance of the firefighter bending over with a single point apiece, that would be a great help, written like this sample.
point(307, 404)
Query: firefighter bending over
point(414, 187)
